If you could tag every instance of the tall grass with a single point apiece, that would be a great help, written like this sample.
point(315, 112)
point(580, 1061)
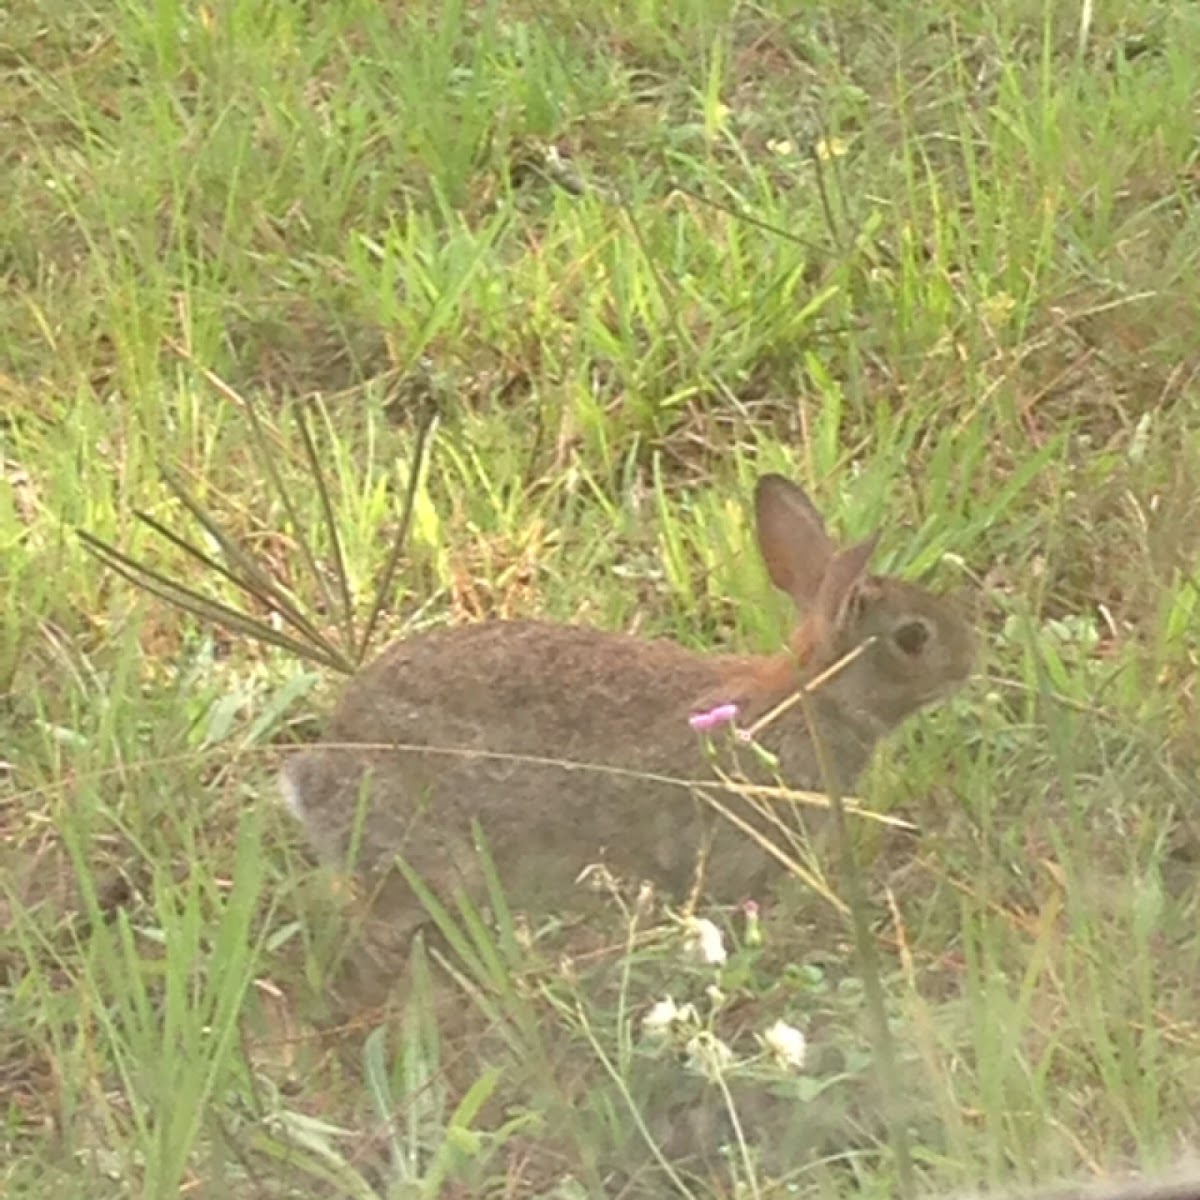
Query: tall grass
point(936, 259)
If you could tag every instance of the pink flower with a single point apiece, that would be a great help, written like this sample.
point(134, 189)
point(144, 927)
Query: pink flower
point(721, 715)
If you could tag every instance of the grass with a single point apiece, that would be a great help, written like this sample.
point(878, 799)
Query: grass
point(939, 260)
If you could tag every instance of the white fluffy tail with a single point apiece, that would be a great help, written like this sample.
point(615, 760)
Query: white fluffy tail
point(290, 793)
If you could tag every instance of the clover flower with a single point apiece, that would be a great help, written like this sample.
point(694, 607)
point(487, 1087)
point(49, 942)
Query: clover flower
point(709, 1055)
point(704, 942)
point(786, 1044)
point(665, 1015)
point(722, 714)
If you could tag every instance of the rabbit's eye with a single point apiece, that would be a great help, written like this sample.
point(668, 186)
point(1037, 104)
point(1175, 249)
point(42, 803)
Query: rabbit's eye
point(912, 637)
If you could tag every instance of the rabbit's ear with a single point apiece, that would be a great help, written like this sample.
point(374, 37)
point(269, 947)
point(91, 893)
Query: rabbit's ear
point(792, 539)
point(845, 574)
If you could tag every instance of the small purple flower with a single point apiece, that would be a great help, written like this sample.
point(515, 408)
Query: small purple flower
point(722, 714)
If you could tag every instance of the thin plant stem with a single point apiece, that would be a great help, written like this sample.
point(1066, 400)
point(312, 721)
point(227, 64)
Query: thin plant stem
point(868, 959)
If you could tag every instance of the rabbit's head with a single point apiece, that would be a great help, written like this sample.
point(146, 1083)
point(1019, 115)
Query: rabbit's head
point(913, 647)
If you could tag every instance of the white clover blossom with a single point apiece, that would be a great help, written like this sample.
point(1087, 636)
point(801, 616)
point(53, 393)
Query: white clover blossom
point(664, 1015)
point(786, 1044)
point(704, 942)
point(709, 1055)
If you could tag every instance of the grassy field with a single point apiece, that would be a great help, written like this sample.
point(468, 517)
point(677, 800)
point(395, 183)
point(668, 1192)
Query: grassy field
point(939, 260)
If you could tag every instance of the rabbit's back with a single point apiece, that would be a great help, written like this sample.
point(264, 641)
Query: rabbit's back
point(525, 686)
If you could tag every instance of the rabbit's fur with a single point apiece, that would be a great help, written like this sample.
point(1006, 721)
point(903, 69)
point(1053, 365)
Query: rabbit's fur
point(545, 733)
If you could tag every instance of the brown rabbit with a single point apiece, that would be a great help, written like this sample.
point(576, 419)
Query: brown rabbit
point(560, 739)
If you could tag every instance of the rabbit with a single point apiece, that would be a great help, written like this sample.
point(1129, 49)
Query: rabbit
point(562, 741)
